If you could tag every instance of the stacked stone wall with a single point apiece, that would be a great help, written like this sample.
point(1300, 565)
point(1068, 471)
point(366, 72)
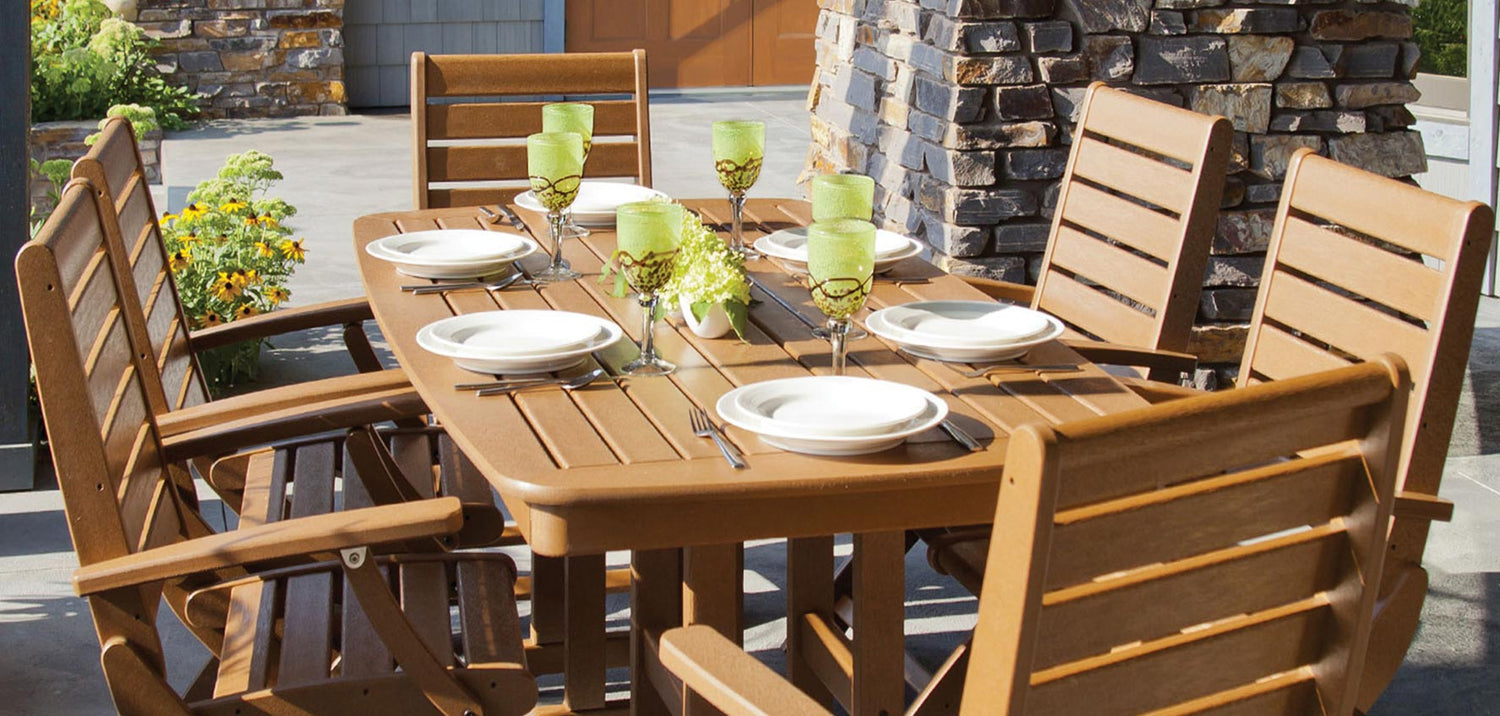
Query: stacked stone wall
point(962, 110)
point(253, 58)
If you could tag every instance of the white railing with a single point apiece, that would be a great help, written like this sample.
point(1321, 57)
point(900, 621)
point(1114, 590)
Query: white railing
point(1484, 68)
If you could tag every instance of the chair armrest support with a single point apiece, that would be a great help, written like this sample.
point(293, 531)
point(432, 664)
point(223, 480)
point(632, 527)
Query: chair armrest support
point(286, 320)
point(1156, 392)
point(306, 419)
point(730, 679)
point(1421, 506)
point(321, 535)
point(279, 399)
point(1162, 364)
point(1018, 293)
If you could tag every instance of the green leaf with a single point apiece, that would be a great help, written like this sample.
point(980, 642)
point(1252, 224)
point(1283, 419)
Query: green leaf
point(739, 316)
point(700, 310)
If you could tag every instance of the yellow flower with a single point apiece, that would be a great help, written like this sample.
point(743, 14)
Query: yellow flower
point(224, 288)
point(246, 311)
point(210, 320)
point(168, 217)
point(189, 239)
point(277, 296)
point(264, 250)
point(266, 220)
point(240, 277)
point(249, 221)
point(193, 211)
point(180, 259)
point(293, 249)
point(232, 206)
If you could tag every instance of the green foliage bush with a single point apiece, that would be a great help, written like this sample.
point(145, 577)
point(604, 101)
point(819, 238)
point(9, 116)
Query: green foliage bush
point(1442, 29)
point(231, 255)
point(84, 60)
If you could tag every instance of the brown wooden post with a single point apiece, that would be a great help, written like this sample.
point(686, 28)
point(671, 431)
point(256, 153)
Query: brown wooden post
point(17, 445)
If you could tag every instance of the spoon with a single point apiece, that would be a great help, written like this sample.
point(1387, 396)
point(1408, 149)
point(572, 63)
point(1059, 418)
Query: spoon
point(577, 381)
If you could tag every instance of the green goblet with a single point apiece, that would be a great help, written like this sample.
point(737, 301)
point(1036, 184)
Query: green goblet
point(578, 118)
point(840, 270)
point(842, 196)
point(739, 152)
point(554, 161)
point(648, 234)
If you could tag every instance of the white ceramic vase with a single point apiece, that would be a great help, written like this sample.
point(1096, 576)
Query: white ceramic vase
point(713, 325)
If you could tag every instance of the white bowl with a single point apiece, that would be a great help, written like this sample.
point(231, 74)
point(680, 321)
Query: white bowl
point(831, 405)
point(500, 342)
point(789, 246)
point(966, 324)
point(596, 202)
point(831, 445)
point(451, 253)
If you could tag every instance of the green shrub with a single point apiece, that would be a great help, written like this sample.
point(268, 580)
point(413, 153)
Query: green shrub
point(231, 255)
point(1442, 29)
point(84, 61)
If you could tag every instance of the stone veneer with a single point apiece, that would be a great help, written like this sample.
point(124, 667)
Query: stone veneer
point(253, 58)
point(66, 140)
point(962, 111)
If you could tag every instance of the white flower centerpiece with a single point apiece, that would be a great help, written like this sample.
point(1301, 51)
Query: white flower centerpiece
point(708, 282)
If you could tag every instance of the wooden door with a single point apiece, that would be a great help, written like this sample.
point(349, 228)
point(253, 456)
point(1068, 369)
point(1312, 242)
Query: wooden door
point(702, 43)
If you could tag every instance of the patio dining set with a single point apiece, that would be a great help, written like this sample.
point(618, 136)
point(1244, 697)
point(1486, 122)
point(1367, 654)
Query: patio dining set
point(1136, 546)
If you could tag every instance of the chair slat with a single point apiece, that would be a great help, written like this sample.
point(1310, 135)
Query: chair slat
point(1352, 327)
point(518, 119)
point(441, 198)
point(1398, 282)
point(424, 598)
point(362, 652)
point(307, 635)
point(1178, 669)
point(1279, 355)
point(500, 162)
point(1175, 523)
point(1174, 134)
point(572, 74)
point(1111, 266)
point(489, 635)
point(250, 626)
point(1129, 223)
point(1129, 172)
point(1294, 692)
point(1404, 215)
point(93, 307)
point(109, 370)
point(1095, 312)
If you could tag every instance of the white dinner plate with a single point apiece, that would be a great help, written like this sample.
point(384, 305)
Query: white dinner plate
point(518, 341)
point(964, 331)
point(792, 440)
point(832, 405)
point(596, 202)
point(790, 247)
point(451, 253)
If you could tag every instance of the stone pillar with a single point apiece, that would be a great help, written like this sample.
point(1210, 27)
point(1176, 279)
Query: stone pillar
point(962, 111)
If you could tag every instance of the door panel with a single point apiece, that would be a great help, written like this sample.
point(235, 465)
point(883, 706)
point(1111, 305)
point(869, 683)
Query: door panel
point(688, 43)
point(783, 51)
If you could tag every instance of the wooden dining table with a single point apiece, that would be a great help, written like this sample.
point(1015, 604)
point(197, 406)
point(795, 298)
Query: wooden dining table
point(616, 465)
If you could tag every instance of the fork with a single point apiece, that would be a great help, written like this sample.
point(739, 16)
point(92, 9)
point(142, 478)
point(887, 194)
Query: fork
point(504, 283)
point(704, 427)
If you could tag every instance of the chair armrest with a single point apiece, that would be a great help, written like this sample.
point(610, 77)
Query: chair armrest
point(302, 537)
point(730, 679)
point(286, 320)
point(1157, 392)
point(1421, 506)
point(1158, 361)
point(273, 400)
point(306, 419)
point(1002, 290)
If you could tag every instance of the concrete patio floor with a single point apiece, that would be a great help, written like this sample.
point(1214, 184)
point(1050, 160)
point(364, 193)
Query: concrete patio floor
point(343, 167)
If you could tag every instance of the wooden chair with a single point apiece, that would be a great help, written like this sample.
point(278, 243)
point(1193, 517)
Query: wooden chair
point(296, 607)
point(1346, 279)
point(1217, 553)
point(456, 120)
point(1135, 218)
point(177, 391)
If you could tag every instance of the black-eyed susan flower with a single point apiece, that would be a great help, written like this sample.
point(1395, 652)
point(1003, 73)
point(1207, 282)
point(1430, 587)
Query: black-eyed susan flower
point(210, 319)
point(246, 311)
point(250, 221)
point(224, 288)
point(188, 239)
point(232, 206)
point(277, 295)
point(266, 220)
point(240, 277)
point(264, 250)
point(168, 217)
point(194, 211)
point(293, 249)
point(180, 259)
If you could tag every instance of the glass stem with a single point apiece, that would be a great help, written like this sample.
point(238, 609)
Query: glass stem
point(838, 331)
point(736, 217)
point(648, 326)
point(555, 224)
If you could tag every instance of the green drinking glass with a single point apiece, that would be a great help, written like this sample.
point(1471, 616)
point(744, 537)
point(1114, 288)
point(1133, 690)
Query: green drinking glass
point(842, 196)
point(554, 161)
point(840, 270)
point(648, 234)
point(739, 153)
point(578, 118)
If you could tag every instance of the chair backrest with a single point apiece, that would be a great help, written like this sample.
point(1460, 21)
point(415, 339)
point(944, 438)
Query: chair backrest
point(1216, 551)
point(113, 166)
point(1346, 280)
point(469, 146)
point(119, 493)
point(1134, 221)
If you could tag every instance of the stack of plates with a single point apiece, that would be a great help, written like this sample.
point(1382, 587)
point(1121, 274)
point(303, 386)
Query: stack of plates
point(828, 415)
point(964, 331)
point(518, 341)
point(790, 246)
point(596, 202)
point(451, 253)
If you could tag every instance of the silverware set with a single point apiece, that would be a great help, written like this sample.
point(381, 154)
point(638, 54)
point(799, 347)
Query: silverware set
point(516, 385)
point(704, 427)
point(1010, 368)
point(422, 289)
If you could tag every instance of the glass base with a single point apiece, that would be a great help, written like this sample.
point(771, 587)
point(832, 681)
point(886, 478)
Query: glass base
point(554, 274)
point(648, 367)
point(574, 231)
point(749, 253)
point(855, 333)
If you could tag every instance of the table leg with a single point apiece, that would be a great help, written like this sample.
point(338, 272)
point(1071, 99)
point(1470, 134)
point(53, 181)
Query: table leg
point(583, 624)
point(548, 595)
point(809, 590)
point(655, 606)
point(879, 616)
point(713, 593)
